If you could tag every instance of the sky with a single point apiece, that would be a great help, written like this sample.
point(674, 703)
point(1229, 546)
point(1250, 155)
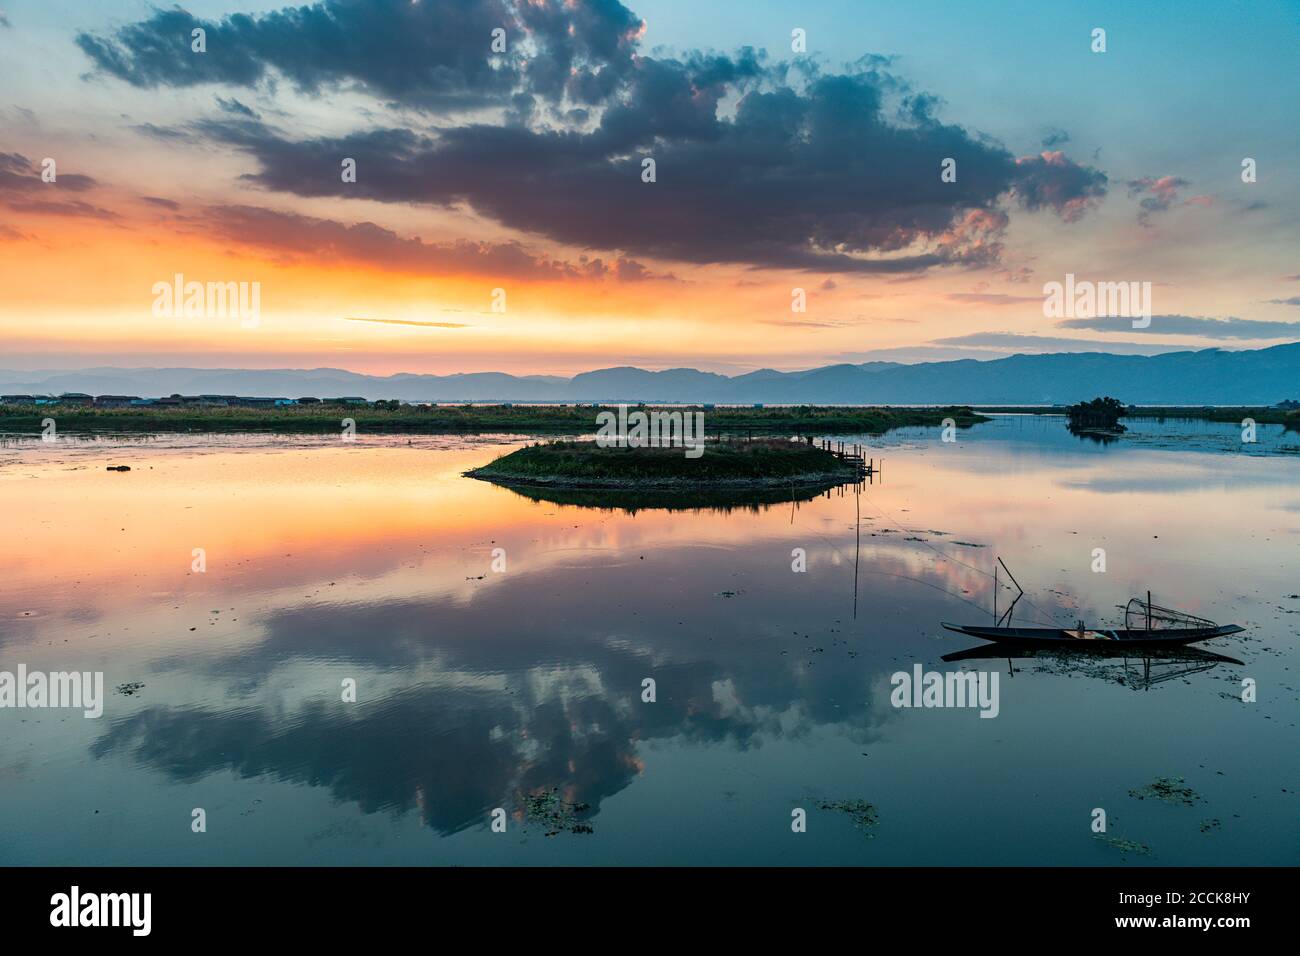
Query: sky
point(500, 218)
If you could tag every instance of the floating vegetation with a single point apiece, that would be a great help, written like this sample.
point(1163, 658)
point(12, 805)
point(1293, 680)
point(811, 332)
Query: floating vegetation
point(1170, 790)
point(1124, 846)
point(554, 813)
point(131, 689)
point(968, 544)
point(729, 594)
point(1209, 825)
point(862, 814)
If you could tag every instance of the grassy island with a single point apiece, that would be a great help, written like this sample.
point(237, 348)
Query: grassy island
point(758, 464)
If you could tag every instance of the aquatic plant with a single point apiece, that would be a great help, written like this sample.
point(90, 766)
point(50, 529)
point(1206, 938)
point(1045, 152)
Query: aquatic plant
point(547, 808)
point(1168, 789)
point(862, 814)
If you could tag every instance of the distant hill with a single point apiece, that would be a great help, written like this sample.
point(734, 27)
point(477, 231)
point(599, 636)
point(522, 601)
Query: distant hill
point(1207, 377)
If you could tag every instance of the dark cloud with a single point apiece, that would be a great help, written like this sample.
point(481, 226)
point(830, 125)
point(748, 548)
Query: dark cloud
point(325, 240)
point(1052, 181)
point(1294, 300)
point(433, 54)
point(1158, 194)
point(23, 190)
point(817, 179)
point(13, 165)
point(1226, 328)
point(587, 48)
point(76, 208)
point(1054, 138)
point(164, 203)
point(233, 105)
point(769, 165)
point(166, 134)
point(158, 51)
point(629, 270)
point(18, 175)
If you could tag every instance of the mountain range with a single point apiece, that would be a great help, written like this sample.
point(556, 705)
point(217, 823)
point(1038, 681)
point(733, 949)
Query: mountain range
point(1204, 377)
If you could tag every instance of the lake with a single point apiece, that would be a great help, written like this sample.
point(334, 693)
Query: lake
point(499, 649)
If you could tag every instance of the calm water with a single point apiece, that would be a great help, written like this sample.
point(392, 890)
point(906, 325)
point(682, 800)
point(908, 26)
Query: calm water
point(477, 688)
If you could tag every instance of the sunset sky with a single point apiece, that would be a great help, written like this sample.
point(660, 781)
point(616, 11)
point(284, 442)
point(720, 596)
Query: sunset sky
point(522, 171)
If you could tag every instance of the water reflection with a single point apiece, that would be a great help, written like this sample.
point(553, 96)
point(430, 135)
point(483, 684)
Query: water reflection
point(466, 707)
point(1098, 436)
point(631, 500)
point(476, 688)
point(1135, 669)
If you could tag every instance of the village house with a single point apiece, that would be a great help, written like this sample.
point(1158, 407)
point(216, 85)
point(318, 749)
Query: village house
point(115, 401)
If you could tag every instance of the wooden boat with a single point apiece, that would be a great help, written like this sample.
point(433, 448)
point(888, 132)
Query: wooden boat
point(1129, 637)
point(1145, 625)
